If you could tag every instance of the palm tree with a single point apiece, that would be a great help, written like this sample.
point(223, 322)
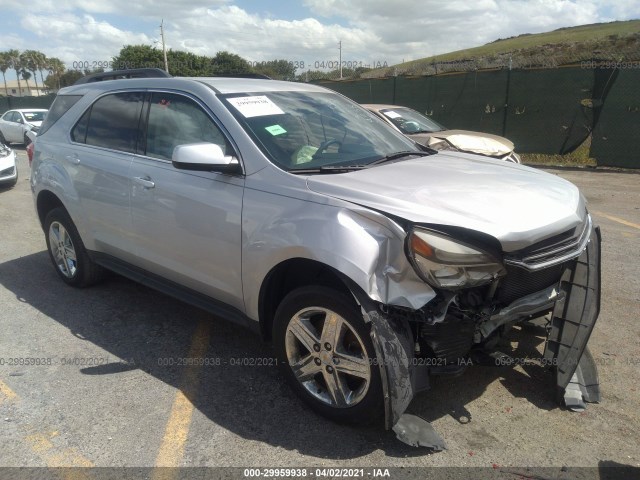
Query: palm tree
point(56, 68)
point(26, 75)
point(4, 66)
point(33, 61)
point(14, 62)
point(43, 64)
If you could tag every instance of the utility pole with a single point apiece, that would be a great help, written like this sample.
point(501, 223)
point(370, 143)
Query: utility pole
point(340, 57)
point(164, 49)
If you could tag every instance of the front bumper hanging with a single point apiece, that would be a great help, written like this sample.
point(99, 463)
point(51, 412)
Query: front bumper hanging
point(576, 309)
point(572, 322)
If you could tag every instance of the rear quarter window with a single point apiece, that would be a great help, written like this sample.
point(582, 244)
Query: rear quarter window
point(61, 105)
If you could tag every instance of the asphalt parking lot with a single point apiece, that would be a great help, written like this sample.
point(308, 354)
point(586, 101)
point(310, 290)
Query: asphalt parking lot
point(95, 377)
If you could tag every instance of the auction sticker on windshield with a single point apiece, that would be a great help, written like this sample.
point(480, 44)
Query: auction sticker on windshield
point(255, 106)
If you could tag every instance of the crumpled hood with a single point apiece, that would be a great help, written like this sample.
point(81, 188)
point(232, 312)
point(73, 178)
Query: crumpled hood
point(466, 141)
point(517, 205)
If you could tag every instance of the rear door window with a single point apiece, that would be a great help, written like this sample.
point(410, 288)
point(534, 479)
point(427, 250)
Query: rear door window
point(112, 122)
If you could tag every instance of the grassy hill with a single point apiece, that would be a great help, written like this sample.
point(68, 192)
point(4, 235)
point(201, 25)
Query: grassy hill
point(603, 41)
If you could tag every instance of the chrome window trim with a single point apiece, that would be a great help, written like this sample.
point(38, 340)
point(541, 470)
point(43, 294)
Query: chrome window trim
point(202, 105)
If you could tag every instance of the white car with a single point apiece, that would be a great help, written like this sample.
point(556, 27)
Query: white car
point(8, 168)
point(15, 124)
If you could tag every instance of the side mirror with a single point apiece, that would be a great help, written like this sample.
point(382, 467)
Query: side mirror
point(207, 157)
point(20, 120)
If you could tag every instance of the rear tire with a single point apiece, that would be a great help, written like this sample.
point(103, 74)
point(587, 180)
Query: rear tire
point(326, 354)
point(67, 252)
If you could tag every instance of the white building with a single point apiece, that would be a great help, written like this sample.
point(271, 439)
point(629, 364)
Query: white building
point(26, 90)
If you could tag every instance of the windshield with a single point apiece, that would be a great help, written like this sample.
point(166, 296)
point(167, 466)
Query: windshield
point(409, 121)
point(312, 130)
point(33, 116)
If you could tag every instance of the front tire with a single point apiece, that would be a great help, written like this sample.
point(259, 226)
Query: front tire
point(67, 252)
point(327, 356)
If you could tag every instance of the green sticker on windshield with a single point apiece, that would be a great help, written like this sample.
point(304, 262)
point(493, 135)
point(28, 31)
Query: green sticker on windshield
point(275, 130)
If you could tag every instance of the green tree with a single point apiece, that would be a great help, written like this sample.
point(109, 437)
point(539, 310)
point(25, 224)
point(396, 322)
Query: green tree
point(312, 75)
point(181, 64)
point(185, 64)
point(138, 56)
point(4, 66)
point(277, 69)
point(69, 78)
point(26, 75)
point(34, 61)
point(225, 63)
point(56, 70)
point(15, 63)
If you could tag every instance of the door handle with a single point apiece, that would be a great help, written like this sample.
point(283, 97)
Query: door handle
point(73, 158)
point(146, 182)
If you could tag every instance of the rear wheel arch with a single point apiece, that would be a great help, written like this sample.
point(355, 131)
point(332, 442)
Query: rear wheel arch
point(46, 202)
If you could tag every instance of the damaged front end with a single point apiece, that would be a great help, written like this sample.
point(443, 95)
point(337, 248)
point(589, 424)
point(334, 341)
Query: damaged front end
point(460, 325)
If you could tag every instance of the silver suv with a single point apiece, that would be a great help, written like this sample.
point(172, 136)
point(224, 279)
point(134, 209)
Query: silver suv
point(371, 263)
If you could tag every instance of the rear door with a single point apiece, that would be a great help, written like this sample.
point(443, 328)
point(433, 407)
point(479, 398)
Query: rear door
point(105, 138)
point(187, 223)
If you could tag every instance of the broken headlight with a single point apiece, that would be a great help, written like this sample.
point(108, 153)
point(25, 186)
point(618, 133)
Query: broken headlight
point(446, 263)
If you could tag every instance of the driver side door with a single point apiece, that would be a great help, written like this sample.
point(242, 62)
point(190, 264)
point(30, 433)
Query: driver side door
point(187, 223)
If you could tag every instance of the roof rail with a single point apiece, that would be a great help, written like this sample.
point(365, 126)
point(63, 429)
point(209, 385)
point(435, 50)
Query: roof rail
point(119, 74)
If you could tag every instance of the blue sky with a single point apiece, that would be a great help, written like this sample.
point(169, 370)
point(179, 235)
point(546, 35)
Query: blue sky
point(306, 31)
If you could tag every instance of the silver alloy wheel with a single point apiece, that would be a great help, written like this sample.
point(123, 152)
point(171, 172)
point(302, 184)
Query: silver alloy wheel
point(328, 357)
point(62, 249)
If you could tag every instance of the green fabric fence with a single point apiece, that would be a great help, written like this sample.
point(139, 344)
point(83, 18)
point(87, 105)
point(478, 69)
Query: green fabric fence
point(548, 111)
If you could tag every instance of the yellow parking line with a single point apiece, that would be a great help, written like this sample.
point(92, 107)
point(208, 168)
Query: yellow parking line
point(175, 435)
point(6, 393)
point(619, 220)
point(41, 444)
point(68, 457)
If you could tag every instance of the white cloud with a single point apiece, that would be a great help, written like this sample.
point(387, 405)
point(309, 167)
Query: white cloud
point(257, 38)
point(79, 38)
point(433, 27)
point(140, 8)
point(370, 30)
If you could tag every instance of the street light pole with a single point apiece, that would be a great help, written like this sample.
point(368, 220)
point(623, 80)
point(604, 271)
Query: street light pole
point(164, 49)
point(340, 57)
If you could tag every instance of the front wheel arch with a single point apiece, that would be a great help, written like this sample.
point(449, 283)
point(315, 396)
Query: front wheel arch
point(291, 274)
